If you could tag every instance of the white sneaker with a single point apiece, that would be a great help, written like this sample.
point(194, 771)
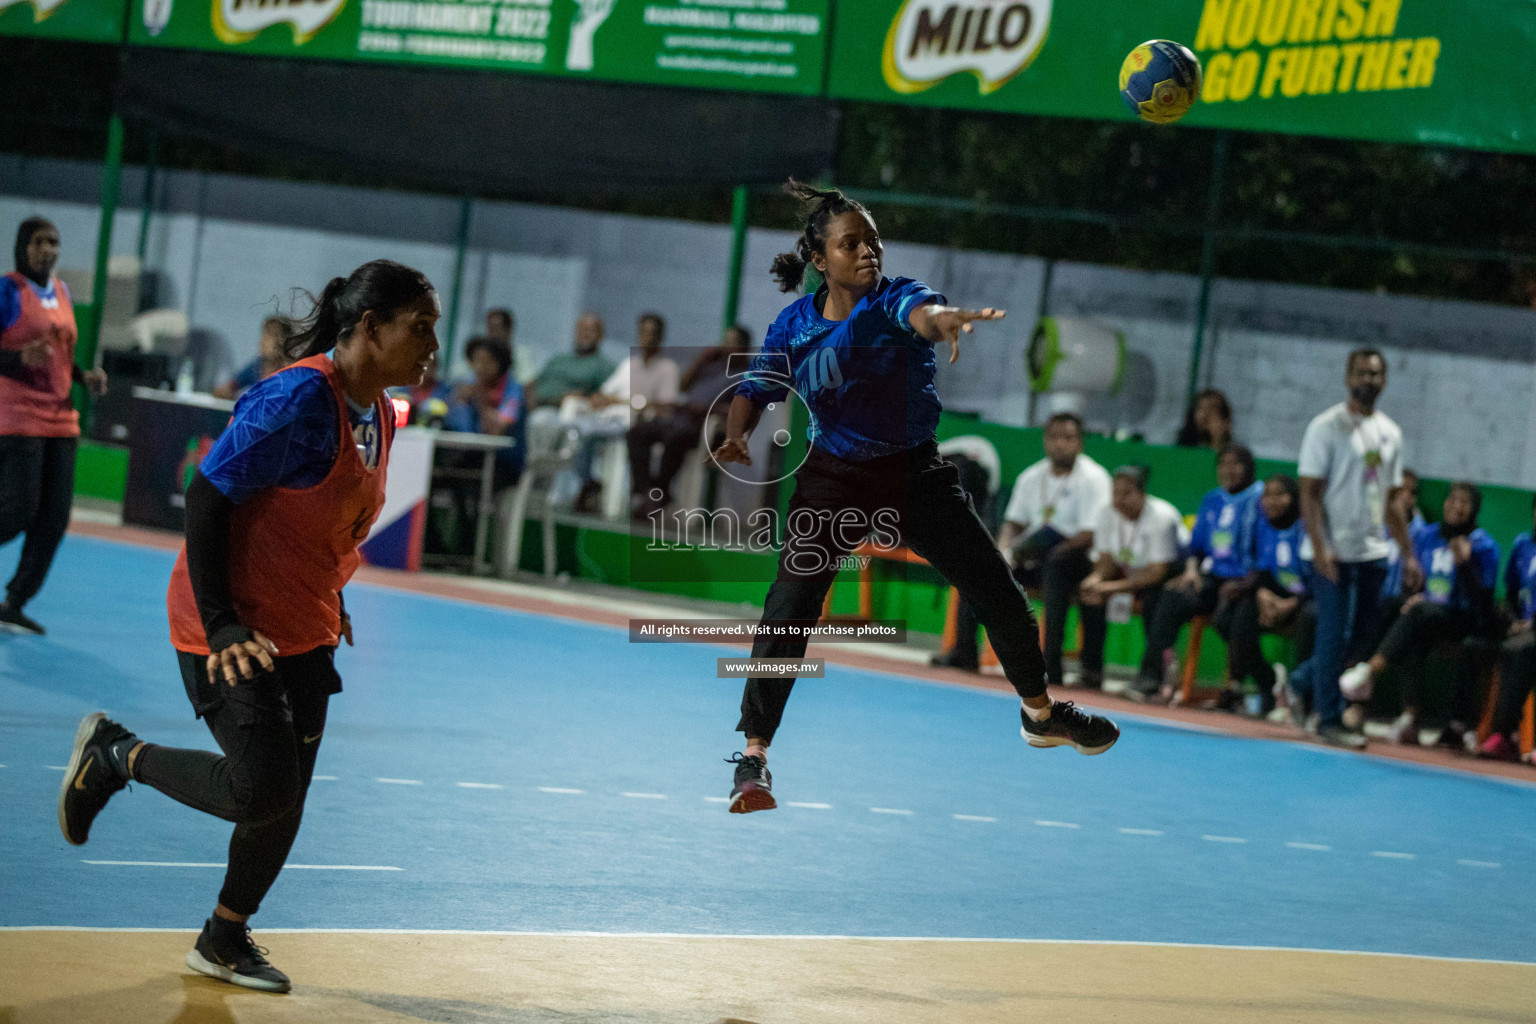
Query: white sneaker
point(1114, 686)
point(1282, 688)
point(1402, 729)
point(1356, 683)
point(1279, 716)
point(1429, 737)
point(1354, 717)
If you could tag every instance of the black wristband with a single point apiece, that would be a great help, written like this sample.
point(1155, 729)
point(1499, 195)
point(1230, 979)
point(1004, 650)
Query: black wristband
point(228, 636)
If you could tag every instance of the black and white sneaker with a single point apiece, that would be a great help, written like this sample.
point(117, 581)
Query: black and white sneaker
point(225, 950)
point(754, 786)
point(97, 769)
point(1069, 727)
point(12, 619)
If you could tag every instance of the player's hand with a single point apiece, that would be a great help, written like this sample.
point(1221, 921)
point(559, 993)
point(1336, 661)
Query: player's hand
point(946, 323)
point(1413, 600)
point(1413, 573)
point(346, 628)
point(239, 661)
point(1461, 549)
point(733, 449)
point(95, 382)
point(1327, 565)
point(1188, 580)
point(35, 354)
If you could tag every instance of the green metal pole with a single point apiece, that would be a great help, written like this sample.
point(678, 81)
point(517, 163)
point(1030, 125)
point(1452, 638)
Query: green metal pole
point(466, 212)
point(738, 254)
point(111, 183)
point(146, 208)
point(1208, 258)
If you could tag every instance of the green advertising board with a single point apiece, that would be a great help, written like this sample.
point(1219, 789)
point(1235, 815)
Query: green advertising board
point(1421, 71)
point(768, 45)
point(91, 21)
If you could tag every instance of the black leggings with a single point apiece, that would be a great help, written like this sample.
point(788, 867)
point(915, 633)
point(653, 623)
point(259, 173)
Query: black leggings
point(1058, 578)
point(1238, 624)
point(1417, 631)
point(918, 493)
point(1515, 682)
point(269, 729)
point(37, 487)
point(1176, 608)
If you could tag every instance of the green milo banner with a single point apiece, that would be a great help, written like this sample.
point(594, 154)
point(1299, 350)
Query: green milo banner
point(1423, 71)
point(92, 21)
point(769, 45)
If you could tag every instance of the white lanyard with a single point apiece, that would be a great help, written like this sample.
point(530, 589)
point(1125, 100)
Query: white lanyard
point(1124, 546)
point(1047, 499)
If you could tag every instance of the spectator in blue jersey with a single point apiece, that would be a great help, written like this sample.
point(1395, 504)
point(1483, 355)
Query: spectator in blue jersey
point(492, 403)
point(1216, 570)
point(861, 354)
point(1518, 651)
point(1277, 596)
point(270, 357)
point(1461, 568)
point(1407, 499)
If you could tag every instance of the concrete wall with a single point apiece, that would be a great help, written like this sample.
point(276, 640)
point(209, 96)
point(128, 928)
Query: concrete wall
point(228, 250)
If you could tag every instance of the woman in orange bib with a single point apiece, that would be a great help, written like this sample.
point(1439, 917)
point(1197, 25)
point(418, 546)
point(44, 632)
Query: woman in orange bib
point(39, 428)
point(275, 514)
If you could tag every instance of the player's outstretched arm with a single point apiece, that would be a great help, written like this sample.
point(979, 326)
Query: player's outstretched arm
point(935, 323)
point(739, 424)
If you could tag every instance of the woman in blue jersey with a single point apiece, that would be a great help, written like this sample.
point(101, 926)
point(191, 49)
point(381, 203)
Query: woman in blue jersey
point(1461, 568)
point(860, 353)
point(1220, 559)
point(1518, 651)
point(1278, 595)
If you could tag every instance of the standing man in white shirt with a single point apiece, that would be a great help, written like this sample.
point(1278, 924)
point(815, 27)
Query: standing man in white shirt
point(1351, 464)
point(1136, 545)
point(1046, 536)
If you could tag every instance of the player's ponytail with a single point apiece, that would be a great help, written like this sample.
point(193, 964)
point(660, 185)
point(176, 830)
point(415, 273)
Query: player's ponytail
point(821, 205)
point(382, 286)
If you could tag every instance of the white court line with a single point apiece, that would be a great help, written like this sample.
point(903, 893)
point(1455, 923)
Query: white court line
point(1309, 846)
point(1480, 863)
point(57, 767)
point(479, 785)
point(560, 789)
point(1058, 824)
point(973, 817)
point(221, 864)
point(717, 799)
point(1394, 856)
point(1223, 839)
point(399, 782)
point(325, 778)
point(795, 938)
point(887, 810)
point(1142, 831)
point(811, 806)
point(646, 796)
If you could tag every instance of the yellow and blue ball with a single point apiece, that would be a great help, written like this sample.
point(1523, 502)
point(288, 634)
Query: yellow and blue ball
point(1160, 81)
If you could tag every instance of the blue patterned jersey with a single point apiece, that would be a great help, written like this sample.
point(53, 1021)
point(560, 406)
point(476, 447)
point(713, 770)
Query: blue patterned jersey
point(284, 434)
point(1224, 530)
point(1520, 577)
point(1442, 584)
point(1278, 552)
point(867, 380)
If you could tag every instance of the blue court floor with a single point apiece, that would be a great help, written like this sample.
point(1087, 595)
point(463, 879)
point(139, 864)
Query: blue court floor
point(493, 770)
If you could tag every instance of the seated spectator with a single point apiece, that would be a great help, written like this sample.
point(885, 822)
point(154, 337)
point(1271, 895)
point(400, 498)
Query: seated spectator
point(680, 432)
point(1208, 423)
point(270, 358)
point(1047, 535)
point(642, 387)
point(492, 403)
point(1518, 652)
point(1461, 567)
point(575, 374)
point(1216, 570)
point(1136, 545)
point(1276, 598)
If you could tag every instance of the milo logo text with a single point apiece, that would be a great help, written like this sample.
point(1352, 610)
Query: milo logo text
point(929, 40)
point(238, 21)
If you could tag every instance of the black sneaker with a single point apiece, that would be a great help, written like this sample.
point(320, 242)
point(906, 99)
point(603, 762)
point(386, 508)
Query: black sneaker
point(754, 786)
point(94, 773)
point(1069, 727)
point(13, 620)
point(237, 960)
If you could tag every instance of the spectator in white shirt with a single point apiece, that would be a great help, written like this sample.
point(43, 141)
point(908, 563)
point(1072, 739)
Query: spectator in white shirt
point(1046, 536)
point(643, 386)
point(1136, 546)
point(1351, 467)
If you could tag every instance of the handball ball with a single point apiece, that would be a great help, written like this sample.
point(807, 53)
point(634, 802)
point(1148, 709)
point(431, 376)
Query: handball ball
point(1160, 81)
